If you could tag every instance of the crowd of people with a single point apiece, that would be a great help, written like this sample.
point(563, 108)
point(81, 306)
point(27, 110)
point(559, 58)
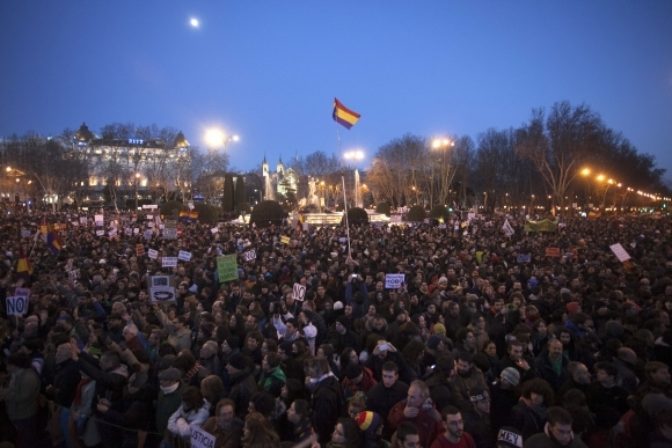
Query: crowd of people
point(490, 341)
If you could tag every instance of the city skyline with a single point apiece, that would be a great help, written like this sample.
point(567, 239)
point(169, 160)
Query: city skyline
point(269, 73)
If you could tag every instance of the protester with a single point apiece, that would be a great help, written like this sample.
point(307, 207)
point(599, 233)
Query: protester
point(473, 321)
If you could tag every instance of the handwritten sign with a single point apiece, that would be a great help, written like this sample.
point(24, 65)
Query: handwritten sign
point(552, 252)
point(299, 292)
point(153, 254)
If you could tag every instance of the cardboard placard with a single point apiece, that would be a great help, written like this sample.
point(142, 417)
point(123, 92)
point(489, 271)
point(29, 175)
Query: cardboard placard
point(153, 254)
point(183, 255)
point(552, 252)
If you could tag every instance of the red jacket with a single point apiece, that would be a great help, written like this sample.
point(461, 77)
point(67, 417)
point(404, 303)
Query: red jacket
point(428, 426)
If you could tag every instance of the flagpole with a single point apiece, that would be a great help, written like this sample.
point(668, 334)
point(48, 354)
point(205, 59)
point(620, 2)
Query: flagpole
point(347, 223)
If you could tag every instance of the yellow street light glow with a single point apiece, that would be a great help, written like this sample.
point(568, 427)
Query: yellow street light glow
point(214, 137)
point(600, 177)
point(586, 172)
point(8, 169)
point(610, 181)
point(619, 185)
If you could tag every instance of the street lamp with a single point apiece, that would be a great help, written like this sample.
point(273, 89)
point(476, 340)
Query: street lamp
point(442, 144)
point(355, 155)
point(137, 178)
point(216, 138)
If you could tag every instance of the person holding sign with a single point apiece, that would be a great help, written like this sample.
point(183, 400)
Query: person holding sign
point(193, 411)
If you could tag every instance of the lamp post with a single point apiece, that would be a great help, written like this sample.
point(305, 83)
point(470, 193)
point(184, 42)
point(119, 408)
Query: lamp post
point(137, 179)
point(356, 155)
point(216, 138)
point(442, 144)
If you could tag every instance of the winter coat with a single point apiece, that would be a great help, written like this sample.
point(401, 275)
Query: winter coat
point(22, 394)
point(243, 387)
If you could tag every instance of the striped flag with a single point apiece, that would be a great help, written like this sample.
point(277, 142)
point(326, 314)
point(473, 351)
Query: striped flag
point(343, 115)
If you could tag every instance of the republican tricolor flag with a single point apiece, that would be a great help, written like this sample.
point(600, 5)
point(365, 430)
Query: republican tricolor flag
point(343, 115)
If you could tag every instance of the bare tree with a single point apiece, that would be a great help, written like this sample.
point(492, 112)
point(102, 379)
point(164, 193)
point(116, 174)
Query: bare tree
point(558, 145)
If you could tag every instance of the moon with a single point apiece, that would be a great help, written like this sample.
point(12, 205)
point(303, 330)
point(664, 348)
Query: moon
point(194, 22)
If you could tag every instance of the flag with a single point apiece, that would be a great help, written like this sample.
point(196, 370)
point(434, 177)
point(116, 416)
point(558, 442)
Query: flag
point(53, 243)
point(23, 265)
point(343, 115)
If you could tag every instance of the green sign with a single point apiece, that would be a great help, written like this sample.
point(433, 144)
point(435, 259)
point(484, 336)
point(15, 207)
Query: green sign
point(227, 268)
point(545, 225)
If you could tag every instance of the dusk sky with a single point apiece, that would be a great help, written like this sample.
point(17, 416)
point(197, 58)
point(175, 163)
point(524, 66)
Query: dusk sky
point(269, 70)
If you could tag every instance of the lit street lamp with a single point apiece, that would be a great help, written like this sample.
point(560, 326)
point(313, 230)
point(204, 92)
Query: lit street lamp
point(216, 138)
point(355, 155)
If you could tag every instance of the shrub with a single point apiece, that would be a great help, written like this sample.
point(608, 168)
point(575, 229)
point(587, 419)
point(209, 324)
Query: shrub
point(384, 207)
point(439, 212)
point(207, 214)
point(416, 214)
point(357, 216)
point(170, 209)
point(266, 213)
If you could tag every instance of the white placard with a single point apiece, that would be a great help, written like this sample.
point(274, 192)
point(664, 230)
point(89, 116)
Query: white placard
point(25, 233)
point(394, 281)
point(214, 230)
point(100, 220)
point(83, 220)
point(17, 305)
point(150, 216)
point(100, 232)
point(153, 254)
point(169, 262)
point(160, 289)
point(184, 255)
point(201, 439)
point(148, 234)
point(250, 255)
point(620, 252)
point(299, 292)
point(112, 233)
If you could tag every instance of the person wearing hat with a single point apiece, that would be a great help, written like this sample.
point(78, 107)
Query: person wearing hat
point(242, 383)
point(371, 425)
point(477, 418)
point(503, 396)
point(342, 337)
point(357, 378)
point(169, 398)
point(509, 437)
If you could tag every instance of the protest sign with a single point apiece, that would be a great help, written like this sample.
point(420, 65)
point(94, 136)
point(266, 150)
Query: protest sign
point(524, 258)
point(168, 262)
point(284, 239)
point(201, 439)
point(250, 255)
point(184, 255)
point(227, 268)
point(620, 252)
point(394, 281)
point(299, 292)
point(153, 254)
point(552, 252)
point(100, 220)
point(160, 289)
point(17, 305)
